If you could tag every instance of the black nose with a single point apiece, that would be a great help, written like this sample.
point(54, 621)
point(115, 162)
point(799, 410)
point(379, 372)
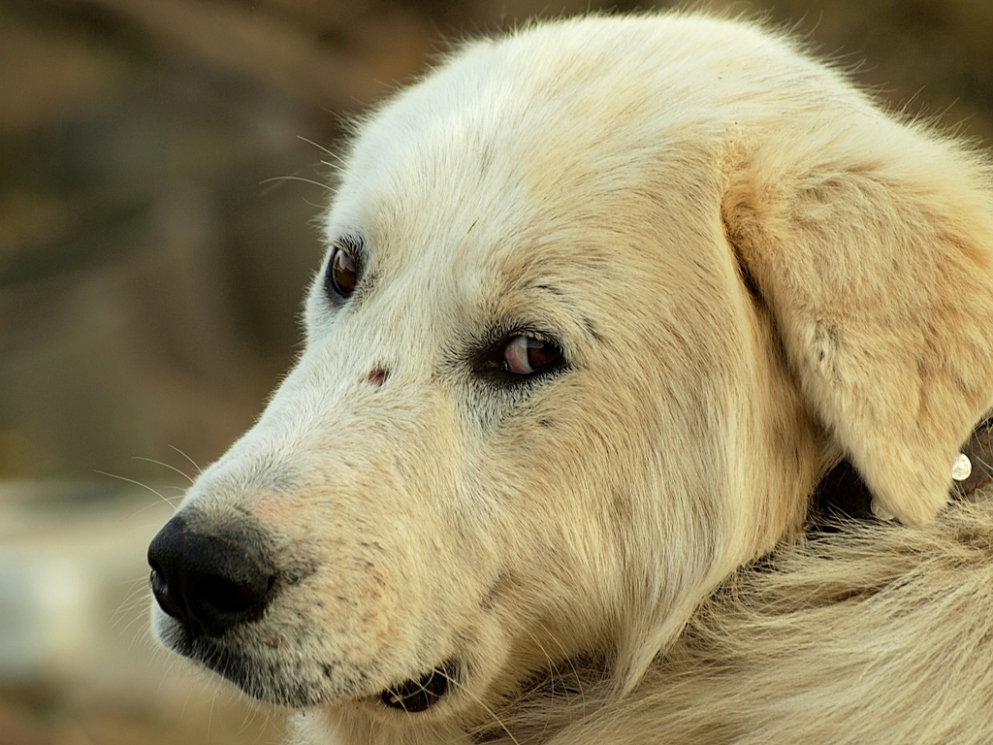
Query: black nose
point(210, 581)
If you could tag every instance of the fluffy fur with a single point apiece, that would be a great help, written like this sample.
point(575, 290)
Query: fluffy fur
point(751, 271)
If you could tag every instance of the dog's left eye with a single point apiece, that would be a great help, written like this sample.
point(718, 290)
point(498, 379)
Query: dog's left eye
point(527, 355)
point(342, 274)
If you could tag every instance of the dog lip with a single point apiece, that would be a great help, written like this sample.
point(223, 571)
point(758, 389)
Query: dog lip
point(414, 696)
point(242, 668)
point(174, 636)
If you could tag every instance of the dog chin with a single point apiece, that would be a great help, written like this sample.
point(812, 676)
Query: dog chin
point(266, 680)
point(259, 679)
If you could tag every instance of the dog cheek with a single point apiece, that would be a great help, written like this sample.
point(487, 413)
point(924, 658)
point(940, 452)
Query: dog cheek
point(824, 349)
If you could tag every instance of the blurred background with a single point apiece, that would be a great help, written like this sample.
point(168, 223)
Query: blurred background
point(161, 166)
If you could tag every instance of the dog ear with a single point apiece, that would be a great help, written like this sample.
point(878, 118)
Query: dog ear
point(876, 264)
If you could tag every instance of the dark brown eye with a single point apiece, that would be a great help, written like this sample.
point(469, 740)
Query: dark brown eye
point(343, 273)
point(526, 355)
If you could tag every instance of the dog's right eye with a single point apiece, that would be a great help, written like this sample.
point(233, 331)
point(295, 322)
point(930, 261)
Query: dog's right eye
point(527, 355)
point(342, 274)
point(520, 357)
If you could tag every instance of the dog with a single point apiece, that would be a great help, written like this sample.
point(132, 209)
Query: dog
point(604, 301)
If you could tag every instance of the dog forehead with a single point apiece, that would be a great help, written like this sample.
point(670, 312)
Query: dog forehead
point(458, 177)
point(546, 125)
point(498, 108)
point(522, 156)
point(600, 83)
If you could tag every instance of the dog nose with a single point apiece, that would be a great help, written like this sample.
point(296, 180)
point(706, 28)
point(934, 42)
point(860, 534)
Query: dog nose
point(210, 582)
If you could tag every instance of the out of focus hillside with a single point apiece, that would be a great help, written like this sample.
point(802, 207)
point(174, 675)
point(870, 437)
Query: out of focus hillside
point(161, 166)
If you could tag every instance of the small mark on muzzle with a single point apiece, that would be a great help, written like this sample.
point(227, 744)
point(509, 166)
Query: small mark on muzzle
point(414, 696)
point(211, 581)
point(378, 376)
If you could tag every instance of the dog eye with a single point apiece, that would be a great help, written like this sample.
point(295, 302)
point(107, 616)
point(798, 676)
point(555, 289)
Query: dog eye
point(342, 274)
point(526, 355)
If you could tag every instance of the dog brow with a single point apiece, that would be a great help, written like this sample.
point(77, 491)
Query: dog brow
point(560, 297)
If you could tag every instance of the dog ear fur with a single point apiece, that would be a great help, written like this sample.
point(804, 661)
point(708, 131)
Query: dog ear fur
point(876, 263)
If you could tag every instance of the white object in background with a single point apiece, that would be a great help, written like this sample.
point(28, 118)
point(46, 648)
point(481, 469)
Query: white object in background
point(47, 618)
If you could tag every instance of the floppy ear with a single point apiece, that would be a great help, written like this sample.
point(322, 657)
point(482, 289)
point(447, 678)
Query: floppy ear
point(873, 253)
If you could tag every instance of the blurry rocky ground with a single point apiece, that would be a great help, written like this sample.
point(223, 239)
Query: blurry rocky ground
point(161, 166)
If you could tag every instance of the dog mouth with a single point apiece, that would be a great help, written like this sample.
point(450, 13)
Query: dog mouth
point(413, 696)
point(410, 696)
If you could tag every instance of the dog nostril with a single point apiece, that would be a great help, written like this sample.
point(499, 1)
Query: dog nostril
point(209, 583)
point(158, 582)
point(160, 591)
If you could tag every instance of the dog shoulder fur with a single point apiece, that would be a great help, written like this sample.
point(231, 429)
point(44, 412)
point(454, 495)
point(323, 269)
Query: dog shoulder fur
point(875, 634)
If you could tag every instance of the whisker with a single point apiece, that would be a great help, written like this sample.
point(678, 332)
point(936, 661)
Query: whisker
point(136, 624)
point(575, 671)
point(181, 472)
point(319, 147)
point(137, 483)
point(296, 178)
point(493, 715)
point(134, 596)
point(199, 470)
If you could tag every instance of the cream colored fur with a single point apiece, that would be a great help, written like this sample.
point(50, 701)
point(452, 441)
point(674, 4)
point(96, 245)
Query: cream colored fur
point(752, 271)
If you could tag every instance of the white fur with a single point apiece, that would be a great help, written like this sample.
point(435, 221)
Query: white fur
point(752, 271)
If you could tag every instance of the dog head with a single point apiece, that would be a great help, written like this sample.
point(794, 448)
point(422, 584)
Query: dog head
point(602, 302)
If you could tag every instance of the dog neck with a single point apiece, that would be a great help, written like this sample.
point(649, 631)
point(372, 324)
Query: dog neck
point(842, 494)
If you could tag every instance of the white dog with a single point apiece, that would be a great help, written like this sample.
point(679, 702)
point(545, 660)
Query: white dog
point(604, 301)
